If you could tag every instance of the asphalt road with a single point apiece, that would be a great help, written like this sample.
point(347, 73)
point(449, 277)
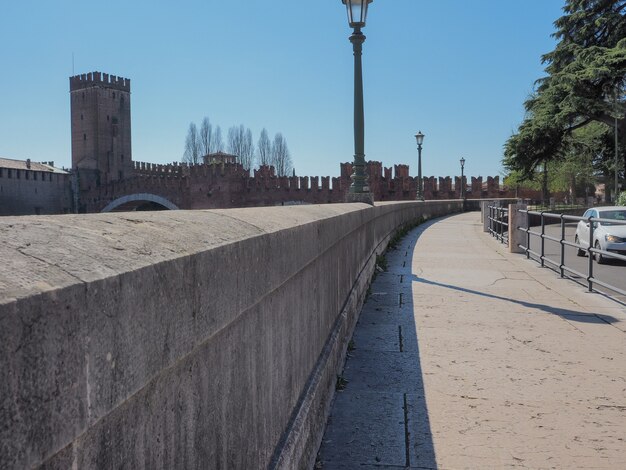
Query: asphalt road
point(612, 273)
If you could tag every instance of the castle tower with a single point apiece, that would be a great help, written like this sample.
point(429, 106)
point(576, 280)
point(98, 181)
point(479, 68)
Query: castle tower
point(100, 113)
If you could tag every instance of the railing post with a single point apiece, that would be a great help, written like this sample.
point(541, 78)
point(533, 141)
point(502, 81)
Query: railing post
point(516, 221)
point(543, 240)
point(527, 235)
point(590, 257)
point(497, 222)
point(562, 242)
point(485, 215)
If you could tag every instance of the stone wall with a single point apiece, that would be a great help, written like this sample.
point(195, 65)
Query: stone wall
point(186, 339)
point(222, 186)
point(26, 192)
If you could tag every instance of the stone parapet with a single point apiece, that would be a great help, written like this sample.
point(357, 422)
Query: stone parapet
point(183, 339)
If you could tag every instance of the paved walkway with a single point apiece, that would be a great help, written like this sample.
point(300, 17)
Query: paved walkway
point(466, 356)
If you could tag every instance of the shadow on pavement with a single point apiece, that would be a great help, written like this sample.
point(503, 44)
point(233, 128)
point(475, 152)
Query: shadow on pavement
point(380, 417)
point(573, 315)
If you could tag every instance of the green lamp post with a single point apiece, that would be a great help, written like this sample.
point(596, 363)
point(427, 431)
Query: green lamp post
point(463, 182)
point(357, 15)
point(419, 137)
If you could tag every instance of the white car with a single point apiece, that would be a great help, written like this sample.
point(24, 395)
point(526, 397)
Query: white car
point(607, 236)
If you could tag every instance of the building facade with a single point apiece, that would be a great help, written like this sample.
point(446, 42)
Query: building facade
point(219, 158)
point(29, 188)
point(101, 129)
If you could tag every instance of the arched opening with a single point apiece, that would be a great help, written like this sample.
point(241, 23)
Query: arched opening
point(140, 202)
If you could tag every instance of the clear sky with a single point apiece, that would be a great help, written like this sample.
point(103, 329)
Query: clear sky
point(457, 70)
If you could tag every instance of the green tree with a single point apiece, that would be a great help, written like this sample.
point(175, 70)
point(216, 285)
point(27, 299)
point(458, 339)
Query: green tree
point(584, 84)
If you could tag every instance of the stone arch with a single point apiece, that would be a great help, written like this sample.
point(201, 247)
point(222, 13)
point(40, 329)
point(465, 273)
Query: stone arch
point(138, 199)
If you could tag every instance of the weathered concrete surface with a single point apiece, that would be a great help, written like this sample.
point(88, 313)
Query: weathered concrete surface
point(495, 363)
point(200, 339)
point(517, 220)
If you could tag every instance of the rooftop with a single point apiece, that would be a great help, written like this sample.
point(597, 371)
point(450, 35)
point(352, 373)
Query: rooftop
point(30, 165)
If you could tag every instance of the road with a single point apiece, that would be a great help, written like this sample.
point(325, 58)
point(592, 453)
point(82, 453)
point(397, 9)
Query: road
point(612, 273)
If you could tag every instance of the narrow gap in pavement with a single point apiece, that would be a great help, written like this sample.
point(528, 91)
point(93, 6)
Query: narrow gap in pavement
point(407, 440)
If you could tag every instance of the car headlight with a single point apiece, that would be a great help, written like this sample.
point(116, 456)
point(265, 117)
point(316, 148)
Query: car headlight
point(613, 239)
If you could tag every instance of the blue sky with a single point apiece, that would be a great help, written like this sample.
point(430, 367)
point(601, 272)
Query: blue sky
point(457, 70)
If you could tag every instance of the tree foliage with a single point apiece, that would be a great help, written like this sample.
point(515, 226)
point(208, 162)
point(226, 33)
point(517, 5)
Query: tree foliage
point(585, 83)
point(585, 153)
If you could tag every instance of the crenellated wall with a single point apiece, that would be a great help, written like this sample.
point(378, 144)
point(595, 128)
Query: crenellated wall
point(26, 192)
point(88, 80)
point(209, 186)
point(187, 339)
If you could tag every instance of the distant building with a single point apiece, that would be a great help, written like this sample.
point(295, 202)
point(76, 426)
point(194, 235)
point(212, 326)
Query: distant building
point(220, 158)
point(104, 176)
point(101, 132)
point(28, 187)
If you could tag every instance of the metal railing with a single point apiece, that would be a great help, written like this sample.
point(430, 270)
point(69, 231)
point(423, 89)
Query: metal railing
point(499, 223)
point(592, 251)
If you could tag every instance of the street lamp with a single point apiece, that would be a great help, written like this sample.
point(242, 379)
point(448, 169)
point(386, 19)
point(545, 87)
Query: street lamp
point(357, 15)
point(462, 183)
point(419, 137)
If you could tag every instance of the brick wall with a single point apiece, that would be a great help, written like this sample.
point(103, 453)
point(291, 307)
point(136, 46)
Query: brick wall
point(27, 192)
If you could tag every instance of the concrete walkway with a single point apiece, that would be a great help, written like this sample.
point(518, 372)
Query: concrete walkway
point(466, 356)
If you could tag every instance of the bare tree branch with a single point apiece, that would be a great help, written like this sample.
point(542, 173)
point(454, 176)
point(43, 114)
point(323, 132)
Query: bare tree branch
point(281, 159)
point(219, 142)
point(264, 149)
point(240, 144)
point(207, 137)
point(192, 146)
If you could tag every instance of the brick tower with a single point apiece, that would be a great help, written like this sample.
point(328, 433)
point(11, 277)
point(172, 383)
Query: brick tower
point(101, 145)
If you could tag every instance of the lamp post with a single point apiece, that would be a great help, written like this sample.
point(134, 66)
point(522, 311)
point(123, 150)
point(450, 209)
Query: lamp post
point(462, 183)
point(419, 137)
point(357, 15)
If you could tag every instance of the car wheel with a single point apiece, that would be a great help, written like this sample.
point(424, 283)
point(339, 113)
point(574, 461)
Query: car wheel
point(580, 251)
point(599, 258)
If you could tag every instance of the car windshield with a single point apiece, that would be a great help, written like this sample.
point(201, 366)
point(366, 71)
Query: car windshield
point(614, 215)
